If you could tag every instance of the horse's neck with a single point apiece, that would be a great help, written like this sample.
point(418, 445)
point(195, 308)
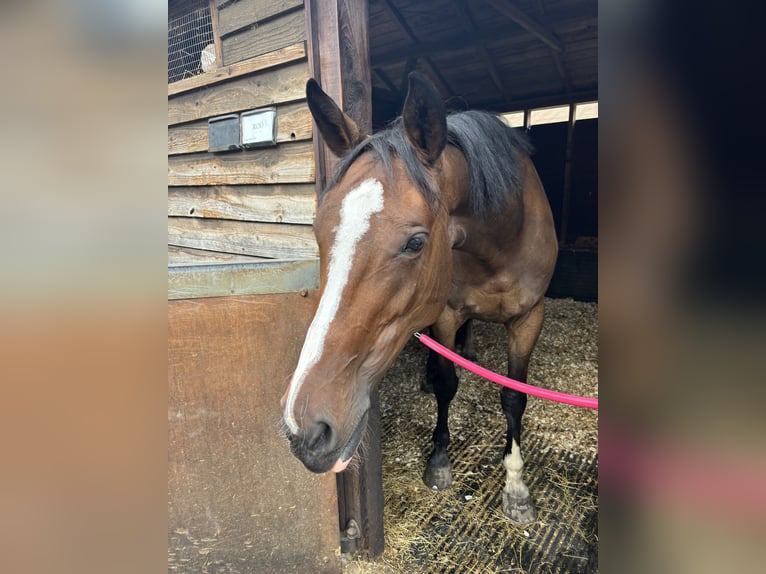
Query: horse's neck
point(455, 186)
point(524, 227)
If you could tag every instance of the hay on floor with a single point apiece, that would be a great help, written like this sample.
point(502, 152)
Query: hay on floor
point(463, 529)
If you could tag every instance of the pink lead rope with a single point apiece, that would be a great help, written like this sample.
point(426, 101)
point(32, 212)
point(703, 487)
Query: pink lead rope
point(505, 381)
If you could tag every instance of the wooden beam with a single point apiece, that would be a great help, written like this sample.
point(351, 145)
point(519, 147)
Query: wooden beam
point(294, 203)
point(542, 101)
point(275, 240)
point(276, 58)
point(566, 84)
point(340, 61)
point(563, 73)
point(386, 80)
point(273, 86)
point(339, 58)
point(277, 33)
point(238, 16)
point(187, 256)
point(506, 8)
point(394, 13)
point(238, 277)
point(285, 163)
point(449, 44)
point(439, 76)
point(470, 24)
point(567, 191)
point(216, 34)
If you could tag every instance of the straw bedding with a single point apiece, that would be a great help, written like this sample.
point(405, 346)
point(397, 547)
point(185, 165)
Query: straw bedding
point(463, 530)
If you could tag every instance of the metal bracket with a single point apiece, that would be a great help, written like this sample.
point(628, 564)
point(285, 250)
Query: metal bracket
point(350, 537)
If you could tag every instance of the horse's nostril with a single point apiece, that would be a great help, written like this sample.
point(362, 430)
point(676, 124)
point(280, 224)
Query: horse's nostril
point(320, 437)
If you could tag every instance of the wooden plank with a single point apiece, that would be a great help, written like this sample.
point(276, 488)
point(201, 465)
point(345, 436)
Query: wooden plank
point(264, 203)
point(293, 124)
point(224, 279)
point(276, 240)
point(245, 13)
point(238, 500)
point(286, 163)
point(186, 256)
point(258, 63)
point(567, 194)
point(273, 86)
point(272, 35)
point(532, 26)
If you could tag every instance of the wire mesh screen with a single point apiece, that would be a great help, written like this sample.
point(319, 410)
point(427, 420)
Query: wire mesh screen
point(188, 35)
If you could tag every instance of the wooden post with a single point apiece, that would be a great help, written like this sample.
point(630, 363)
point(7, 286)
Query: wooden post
point(567, 191)
point(216, 34)
point(339, 60)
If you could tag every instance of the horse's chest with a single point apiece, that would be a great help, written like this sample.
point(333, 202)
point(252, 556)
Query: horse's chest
point(494, 302)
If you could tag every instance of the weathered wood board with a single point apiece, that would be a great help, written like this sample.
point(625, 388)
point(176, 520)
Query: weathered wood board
point(295, 203)
point(238, 501)
point(275, 240)
point(186, 256)
point(286, 163)
point(249, 66)
point(237, 15)
point(259, 39)
point(221, 279)
point(272, 86)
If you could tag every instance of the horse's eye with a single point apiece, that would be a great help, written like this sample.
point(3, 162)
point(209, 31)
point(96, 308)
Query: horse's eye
point(415, 243)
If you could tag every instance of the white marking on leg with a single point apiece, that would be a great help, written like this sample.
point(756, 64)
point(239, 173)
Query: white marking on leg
point(514, 464)
point(358, 206)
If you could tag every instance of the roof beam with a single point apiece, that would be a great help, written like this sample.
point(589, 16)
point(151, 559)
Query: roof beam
point(532, 26)
point(423, 49)
point(470, 25)
point(555, 56)
point(386, 80)
point(505, 106)
point(412, 51)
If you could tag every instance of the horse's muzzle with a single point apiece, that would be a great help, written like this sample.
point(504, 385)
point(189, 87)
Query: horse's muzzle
point(321, 448)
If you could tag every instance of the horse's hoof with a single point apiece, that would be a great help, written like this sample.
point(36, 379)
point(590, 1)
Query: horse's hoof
point(427, 388)
point(438, 477)
point(519, 510)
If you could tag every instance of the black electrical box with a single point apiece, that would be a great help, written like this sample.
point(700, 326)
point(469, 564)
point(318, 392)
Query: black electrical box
point(223, 133)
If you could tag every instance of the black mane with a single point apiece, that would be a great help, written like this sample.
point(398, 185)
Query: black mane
point(490, 147)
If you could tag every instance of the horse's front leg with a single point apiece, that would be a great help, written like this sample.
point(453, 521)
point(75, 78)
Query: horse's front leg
point(440, 372)
point(465, 342)
point(522, 336)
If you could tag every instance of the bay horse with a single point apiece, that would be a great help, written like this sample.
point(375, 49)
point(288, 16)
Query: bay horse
point(435, 221)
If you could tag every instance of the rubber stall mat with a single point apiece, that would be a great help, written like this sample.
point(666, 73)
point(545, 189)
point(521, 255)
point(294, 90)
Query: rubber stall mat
point(463, 529)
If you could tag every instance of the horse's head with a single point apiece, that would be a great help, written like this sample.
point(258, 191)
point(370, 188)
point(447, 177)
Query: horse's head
point(385, 269)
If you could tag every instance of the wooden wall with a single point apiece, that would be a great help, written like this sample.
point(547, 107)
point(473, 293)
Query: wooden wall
point(236, 206)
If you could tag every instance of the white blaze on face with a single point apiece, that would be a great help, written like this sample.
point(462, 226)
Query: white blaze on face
point(355, 212)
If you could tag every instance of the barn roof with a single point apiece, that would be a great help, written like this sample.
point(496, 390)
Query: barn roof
point(500, 55)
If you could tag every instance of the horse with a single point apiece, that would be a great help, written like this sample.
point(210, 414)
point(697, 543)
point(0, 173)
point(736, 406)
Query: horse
point(433, 222)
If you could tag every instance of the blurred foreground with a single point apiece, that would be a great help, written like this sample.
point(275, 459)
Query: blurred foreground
point(82, 312)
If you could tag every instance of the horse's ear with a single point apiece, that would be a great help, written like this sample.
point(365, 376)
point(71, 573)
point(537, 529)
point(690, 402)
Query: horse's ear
point(338, 130)
point(425, 120)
